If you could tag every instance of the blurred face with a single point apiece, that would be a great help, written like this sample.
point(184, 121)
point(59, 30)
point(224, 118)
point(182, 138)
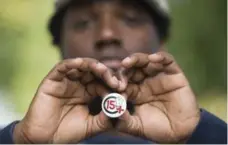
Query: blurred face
point(107, 30)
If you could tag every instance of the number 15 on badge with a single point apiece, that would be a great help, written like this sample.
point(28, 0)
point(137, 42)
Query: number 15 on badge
point(114, 105)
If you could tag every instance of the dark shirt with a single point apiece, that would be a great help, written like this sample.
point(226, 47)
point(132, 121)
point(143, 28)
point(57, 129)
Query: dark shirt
point(210, 130)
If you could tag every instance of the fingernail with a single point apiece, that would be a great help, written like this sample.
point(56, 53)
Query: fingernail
point(154, 56)
point(127, 60)
point(78, 60)
point(101, 66)
point(121, 86)
point(115, 80)
point(116, 83)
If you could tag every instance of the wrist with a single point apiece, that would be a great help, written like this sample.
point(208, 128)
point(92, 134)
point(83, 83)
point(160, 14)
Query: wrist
point(18, 135)
point(194, 126)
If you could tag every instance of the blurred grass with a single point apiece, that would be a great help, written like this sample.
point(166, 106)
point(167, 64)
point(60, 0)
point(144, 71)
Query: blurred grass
point(216, 104)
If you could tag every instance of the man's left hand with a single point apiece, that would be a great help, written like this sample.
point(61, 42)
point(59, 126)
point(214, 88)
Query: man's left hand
point(165, 106)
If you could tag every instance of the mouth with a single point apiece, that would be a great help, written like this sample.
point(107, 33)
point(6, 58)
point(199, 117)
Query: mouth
point(112, 62)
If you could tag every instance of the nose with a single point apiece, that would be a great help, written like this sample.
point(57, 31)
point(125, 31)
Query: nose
point(107, 32)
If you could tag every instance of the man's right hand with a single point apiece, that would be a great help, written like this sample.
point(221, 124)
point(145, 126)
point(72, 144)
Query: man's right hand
point(59, 111)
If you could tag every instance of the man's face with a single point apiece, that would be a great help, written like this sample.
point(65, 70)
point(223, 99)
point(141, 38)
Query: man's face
point(108, 30)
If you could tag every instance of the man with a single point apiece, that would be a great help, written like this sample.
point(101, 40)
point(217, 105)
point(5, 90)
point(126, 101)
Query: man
point(114, 46)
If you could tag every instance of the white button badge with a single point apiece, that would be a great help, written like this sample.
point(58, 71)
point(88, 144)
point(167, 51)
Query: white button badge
point(114, 105)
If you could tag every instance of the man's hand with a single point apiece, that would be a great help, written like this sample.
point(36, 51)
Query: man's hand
point(59, 111)
point(165, 107)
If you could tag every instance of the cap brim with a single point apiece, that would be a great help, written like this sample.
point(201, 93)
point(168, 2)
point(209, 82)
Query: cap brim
point(55, 21)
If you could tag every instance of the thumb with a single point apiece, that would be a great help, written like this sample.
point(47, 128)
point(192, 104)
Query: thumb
point(100, 123)
point(130, 124)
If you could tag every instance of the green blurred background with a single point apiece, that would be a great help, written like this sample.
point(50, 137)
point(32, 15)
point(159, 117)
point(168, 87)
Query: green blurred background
point(198, 42)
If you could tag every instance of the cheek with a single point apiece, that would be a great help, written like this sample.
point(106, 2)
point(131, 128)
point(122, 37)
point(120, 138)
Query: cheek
point(141, 40)
point(78, 45)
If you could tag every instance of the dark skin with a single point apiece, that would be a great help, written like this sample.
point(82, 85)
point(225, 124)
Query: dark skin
point(109, 30)
point(97, 39)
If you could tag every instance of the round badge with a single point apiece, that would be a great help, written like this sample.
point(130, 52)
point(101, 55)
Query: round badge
point(114, 105)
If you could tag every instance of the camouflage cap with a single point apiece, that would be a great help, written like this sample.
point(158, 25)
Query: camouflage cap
point(159, 6)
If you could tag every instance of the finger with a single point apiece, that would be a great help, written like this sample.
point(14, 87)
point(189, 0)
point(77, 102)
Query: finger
point(60, 70)
point(87, 78)
point(123, 80)
point(100, 123)
point(74, 74)
point(132, 92)
point(105, 74)
point(124, 94)
point(135, 60)
point(85, 65)
point(162, 84)
point(152, 69)
point(137, 76)
point(101, 71)
point(130, 124)
point(168, 61)
point(129, 72)
point(83, 73)
point(144, 66)
point(97, 90)
point(155, 58)
point(130, 105)
point(126, 116)
point(101, 90)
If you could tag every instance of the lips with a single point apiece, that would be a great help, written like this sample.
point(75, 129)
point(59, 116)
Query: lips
point(112, 63)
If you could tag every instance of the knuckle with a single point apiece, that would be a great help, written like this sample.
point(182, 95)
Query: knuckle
point(63, 62)
point(166, 54)
point(59, 63)
point(140, 55)
point(90, 60)
point(60, 66)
